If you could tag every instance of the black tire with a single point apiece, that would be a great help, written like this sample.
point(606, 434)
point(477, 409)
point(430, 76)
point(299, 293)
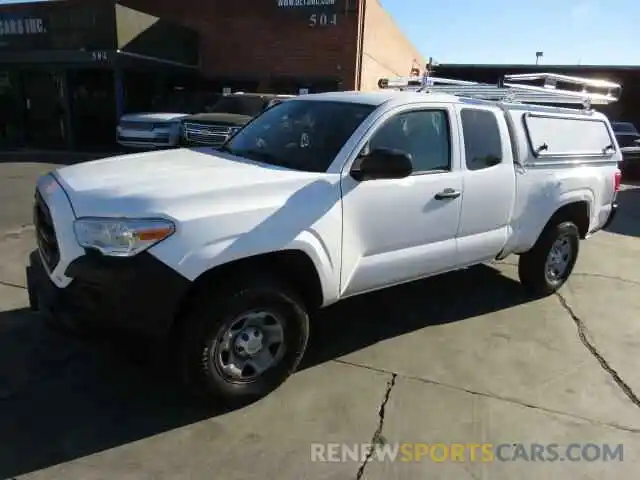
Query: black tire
point(211, 314)
point(532, 268)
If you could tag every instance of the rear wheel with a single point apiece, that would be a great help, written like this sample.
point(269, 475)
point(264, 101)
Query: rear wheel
point(548, 265)
point(240, 344)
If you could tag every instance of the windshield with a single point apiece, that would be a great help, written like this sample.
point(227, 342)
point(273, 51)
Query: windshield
point(249, 106)
point(300, 134)
point(623, 127)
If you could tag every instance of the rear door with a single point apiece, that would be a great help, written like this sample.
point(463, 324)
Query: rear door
point(489, 183)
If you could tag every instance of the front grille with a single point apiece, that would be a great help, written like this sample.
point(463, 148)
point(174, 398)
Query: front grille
point(206, 134)
point(45, 233)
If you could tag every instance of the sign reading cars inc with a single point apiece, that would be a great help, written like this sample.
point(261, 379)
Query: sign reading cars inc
point(321, 13)
point(21, 26)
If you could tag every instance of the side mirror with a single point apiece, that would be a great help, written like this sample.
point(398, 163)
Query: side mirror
point(382, 163)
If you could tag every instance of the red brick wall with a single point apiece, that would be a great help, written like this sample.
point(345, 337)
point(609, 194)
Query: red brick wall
point(257, 38)
point(387, 52)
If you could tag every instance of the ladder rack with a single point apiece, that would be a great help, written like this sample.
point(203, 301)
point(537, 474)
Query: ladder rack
point(516, 89)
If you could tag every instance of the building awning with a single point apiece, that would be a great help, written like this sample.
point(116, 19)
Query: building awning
point(129, 60)
point(90, 59)
point(56, 56)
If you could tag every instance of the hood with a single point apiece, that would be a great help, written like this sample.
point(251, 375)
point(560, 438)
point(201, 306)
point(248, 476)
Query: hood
point(174, 183)
point(153, 117)
point(231, 119)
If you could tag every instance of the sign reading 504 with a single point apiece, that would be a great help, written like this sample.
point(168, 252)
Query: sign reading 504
point(323, 19)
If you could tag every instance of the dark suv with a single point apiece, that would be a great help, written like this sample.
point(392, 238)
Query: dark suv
point(225, 117)
point(629, 141)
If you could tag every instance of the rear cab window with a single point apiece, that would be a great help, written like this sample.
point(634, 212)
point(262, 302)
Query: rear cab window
point(482, 138)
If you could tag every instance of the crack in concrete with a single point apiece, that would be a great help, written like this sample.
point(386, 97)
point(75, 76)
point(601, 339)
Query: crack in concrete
point(377, 438)
point(626, 389)
point(606, 277)
point(502, 262)
point(12, 285)
point(470, 472)
point(17, 232)
point(494, 396)
point(584, 274)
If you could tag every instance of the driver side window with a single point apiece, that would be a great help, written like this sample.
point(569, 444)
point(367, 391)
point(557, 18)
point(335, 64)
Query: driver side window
point(423, 134)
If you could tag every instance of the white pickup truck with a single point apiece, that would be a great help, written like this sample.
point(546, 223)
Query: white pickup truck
point(320, 198)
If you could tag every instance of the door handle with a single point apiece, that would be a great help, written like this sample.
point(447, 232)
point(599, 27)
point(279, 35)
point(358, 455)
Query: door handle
point(448, 193)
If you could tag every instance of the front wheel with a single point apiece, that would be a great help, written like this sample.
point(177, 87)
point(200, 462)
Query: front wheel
point(240, 344)
point(548, 265)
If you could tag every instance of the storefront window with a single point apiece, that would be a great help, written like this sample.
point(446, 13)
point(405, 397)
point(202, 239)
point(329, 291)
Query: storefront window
point(10, 111)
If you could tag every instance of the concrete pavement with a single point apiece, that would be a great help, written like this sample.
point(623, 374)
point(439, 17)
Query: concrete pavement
point(418, 363)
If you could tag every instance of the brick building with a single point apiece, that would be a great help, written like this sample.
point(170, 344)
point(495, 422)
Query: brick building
point(286, 45)
point(70, 68)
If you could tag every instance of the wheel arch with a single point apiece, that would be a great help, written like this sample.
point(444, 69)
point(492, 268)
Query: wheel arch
point(292, 266)
point(577, 212)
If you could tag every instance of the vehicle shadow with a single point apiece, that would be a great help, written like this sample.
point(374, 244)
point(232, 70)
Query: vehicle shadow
point(364, 320)
point(627, 221)
point(62, 398)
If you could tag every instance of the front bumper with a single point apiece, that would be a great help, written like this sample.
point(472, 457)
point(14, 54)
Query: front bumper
point(139, 294)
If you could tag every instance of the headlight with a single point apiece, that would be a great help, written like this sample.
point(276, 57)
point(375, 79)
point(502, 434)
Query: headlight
point(121, 237)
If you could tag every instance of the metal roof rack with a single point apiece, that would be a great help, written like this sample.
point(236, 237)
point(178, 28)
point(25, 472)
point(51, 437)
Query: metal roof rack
point(515, 88)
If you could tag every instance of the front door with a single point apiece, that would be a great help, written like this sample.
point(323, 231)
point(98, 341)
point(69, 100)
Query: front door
point(401, 230)
point(45, 126)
